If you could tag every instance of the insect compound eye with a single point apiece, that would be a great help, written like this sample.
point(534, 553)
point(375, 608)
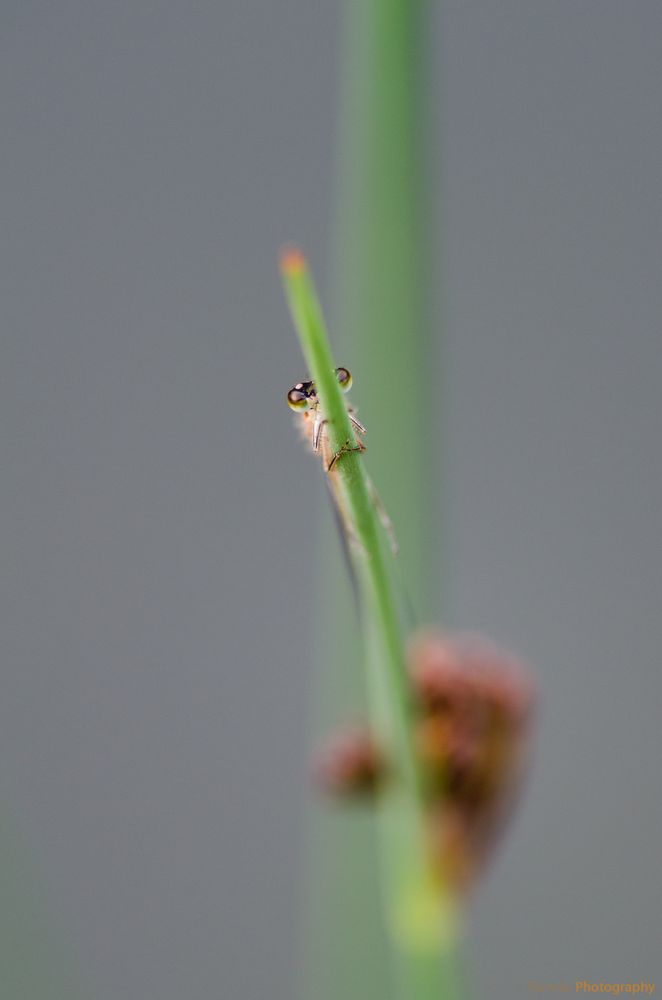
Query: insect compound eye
point(344, 379)
point(297, 400)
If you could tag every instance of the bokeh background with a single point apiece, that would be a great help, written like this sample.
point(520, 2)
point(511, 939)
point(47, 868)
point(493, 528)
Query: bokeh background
point(159, 516)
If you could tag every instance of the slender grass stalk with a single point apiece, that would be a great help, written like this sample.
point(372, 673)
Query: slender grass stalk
point(420, 916)
point(373, 574)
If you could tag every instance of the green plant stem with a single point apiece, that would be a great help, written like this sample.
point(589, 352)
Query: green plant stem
point(419, 915)
point(373, 575)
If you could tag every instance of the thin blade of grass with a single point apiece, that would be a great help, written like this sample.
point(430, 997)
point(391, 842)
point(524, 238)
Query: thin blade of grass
point(421, 918)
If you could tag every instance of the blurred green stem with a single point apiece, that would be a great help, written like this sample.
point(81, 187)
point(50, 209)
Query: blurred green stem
point(382, 305)
point(381, 275)
point(381, 312)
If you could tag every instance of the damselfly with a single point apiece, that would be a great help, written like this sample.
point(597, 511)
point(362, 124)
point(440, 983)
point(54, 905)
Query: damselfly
point(303, 399)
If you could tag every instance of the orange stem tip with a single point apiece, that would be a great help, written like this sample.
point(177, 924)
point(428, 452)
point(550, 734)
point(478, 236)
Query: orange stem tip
point(292, 262)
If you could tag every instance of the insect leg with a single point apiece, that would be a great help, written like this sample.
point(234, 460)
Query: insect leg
point(356, 423)
point(317, 432)
point(347, 447)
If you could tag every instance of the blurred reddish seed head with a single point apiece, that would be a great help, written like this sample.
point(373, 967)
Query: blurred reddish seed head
point(472, 706)
point(472, 709)
point(351, 765)
point(450, 671)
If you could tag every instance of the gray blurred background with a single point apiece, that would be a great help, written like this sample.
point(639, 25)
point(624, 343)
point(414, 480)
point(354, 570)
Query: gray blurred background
point(158, 512)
